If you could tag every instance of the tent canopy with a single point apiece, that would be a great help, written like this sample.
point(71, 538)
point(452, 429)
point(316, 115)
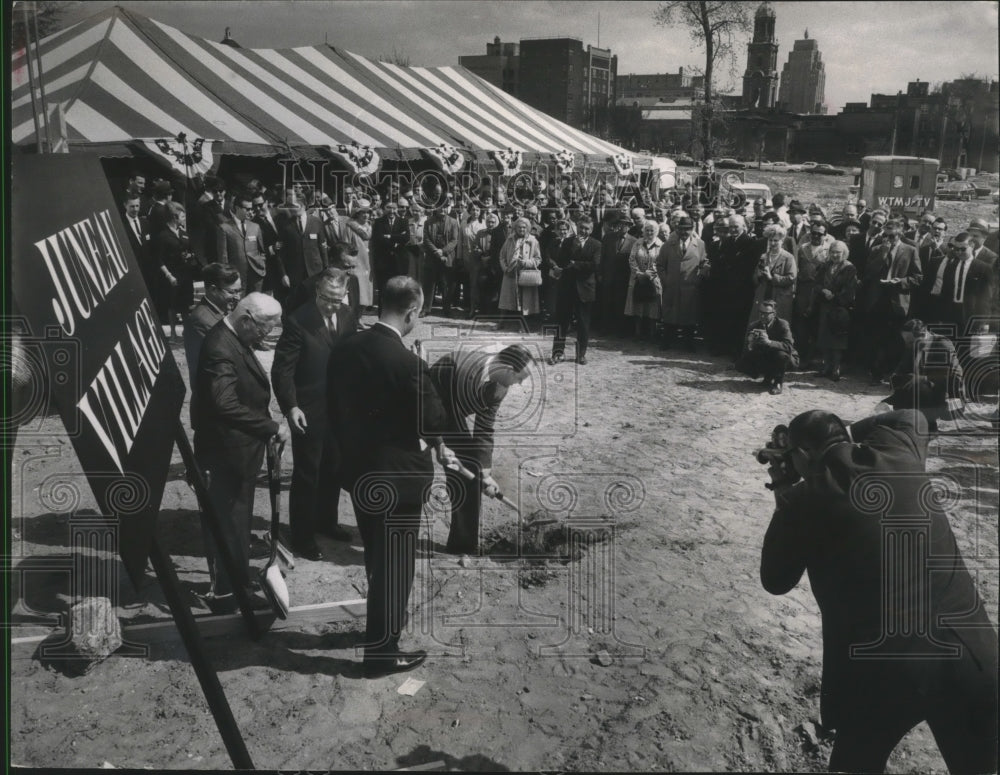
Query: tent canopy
point(120, 76)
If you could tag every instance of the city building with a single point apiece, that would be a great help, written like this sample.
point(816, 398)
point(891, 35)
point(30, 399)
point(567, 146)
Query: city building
point(666, 86)
point(500, 65)
point(559, 76)
point(803, 79)
point(760, 81)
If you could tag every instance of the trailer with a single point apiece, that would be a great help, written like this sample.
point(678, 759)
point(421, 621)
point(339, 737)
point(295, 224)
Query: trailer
point(900, 185)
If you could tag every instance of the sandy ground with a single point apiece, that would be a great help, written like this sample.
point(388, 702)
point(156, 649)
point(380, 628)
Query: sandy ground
point(644, 457)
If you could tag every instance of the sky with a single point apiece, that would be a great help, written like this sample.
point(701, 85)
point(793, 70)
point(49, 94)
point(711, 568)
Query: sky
point(868, 47)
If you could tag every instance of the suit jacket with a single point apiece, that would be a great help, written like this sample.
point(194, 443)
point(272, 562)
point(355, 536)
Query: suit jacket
point(579, 264)
point(245, 254)
point(140, 244)
point(303, 251)
point(232, 420)
point(822, 526)
point(779, 331)
point(978, 294)
point(386, 240)
point(269, 239)
point(905, 265)
point(458, 379)
point(299, 372)
point(381, 405)
point(199, 321)
point(988, 257)
point(614, 260)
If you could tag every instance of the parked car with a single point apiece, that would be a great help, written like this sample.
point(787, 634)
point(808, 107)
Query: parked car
point(807, 165)
point(826, 169)
point(995, 196)
point(685, 159)
point(982, 190)
point(962, 190)
point(784, 166)
point(951, 173)
point(750, 192)
point(730, 164)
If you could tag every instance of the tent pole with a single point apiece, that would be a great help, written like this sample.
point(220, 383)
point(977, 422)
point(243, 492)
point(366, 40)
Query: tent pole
point(31, 81)
point(41, 79)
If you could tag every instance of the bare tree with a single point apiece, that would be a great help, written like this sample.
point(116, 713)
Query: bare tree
point(718, 26)
point(395, 58)
point(46, 19)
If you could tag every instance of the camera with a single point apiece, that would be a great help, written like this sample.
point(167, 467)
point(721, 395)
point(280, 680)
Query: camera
point(777, 450)
point(777, 453)
point(39, 366)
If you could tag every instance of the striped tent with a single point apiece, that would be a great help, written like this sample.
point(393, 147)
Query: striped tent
point(121, 77)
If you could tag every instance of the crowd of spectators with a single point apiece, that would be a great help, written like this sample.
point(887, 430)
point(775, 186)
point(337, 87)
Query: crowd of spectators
point(664, 270)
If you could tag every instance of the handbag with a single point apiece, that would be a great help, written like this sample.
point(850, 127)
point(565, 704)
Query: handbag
point(644, 290)
point(529, 278)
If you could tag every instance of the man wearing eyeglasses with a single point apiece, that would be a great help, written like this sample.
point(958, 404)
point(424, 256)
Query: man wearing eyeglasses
point(232, 423)
point(239, 243)
point(299, 380)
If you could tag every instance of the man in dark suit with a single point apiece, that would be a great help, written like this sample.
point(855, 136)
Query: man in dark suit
point(738, 258)
point(264, 218)
point(978, 232)
point(769, 349)
point(223, 289)
point(389, 234)
point(232, 423)
point(239, 243)
point(892, 273)
point(903, 642)
point(137, 229)
point(959, 288)
point(383, 409)
point(613, 271)
point(303, 248)
point(299, 377)
point(576, 262)
point(473, 383)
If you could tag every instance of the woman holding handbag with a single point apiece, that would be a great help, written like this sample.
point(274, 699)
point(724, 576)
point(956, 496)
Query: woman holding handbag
point(644, 289)
point(520, 259)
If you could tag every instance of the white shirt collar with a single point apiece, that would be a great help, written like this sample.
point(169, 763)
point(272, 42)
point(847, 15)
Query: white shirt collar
point(395, 330)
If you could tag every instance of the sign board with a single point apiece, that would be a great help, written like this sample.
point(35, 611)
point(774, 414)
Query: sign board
point(96, 336)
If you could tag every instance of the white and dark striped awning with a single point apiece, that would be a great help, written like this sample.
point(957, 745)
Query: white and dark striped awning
point(120, 77)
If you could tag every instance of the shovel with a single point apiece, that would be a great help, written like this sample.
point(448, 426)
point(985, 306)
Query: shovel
point(271, 580)
point(465, 472)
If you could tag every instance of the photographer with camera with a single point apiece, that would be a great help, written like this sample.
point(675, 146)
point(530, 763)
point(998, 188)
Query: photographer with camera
point(770, 349)
point(855, 509)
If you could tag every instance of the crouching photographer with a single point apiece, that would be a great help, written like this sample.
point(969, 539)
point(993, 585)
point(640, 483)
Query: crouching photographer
point(901, 644)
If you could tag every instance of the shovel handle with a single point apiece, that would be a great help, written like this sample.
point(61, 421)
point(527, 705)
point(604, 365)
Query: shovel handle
point(461, 470)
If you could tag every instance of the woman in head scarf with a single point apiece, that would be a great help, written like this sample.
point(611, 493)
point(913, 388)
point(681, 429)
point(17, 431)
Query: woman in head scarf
point(520, 251)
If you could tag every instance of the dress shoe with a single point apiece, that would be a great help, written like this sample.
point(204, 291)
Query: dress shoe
point(775, 389)
point(377, 667)
point(336, 532)
point(582, 360)
point(835, 375)
point(556, 358)
point(308, 551)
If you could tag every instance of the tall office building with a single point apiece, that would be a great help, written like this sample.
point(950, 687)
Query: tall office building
point(760, 81)
point(803, 79)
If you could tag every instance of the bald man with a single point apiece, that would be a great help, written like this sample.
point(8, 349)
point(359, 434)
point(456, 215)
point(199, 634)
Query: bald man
point(232, 424)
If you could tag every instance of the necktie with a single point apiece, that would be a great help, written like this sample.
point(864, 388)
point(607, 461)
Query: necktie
point(243, 228)
point(960, 271)
point(332, 323)
point(948, 283)
point(136, 229)
point(301, 220)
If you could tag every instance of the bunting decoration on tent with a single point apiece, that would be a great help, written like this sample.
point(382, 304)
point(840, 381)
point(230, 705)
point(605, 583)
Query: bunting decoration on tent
point(509, 161)
point(448, 157)
point(189, 157)
point(362, 159)
point(564, 161)
point(623, 164)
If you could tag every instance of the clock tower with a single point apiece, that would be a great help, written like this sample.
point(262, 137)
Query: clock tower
point(760, 81)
